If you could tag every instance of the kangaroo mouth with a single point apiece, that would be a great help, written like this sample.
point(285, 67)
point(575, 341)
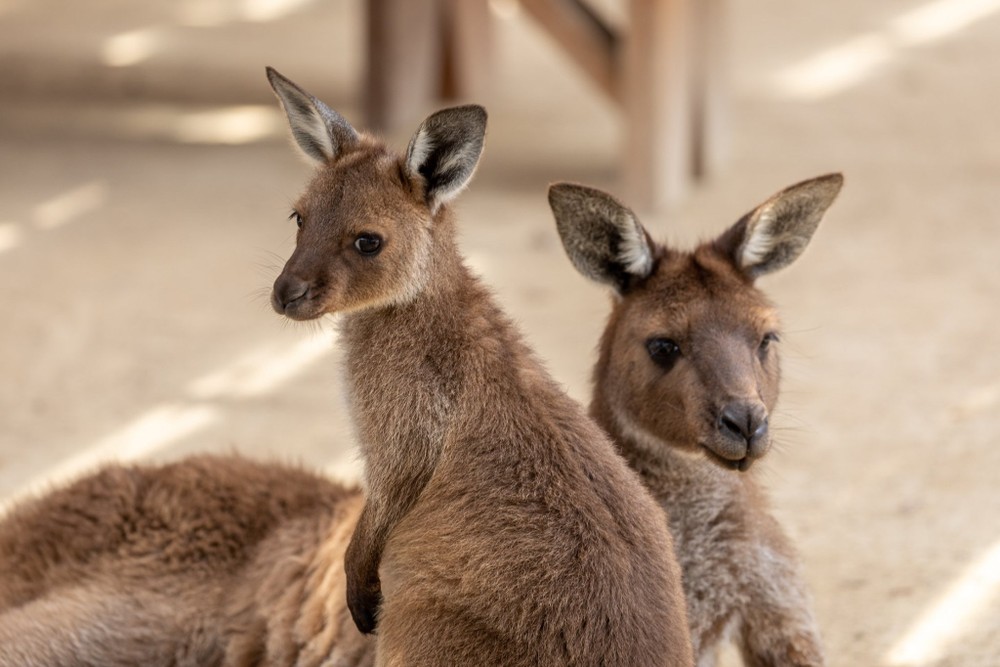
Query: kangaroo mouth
point(301, 308)
point(741, 465)
point(301, 312)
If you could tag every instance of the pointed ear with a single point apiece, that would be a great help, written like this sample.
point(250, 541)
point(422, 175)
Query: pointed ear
point(320, 132)
point(775, 233)
point(445, 150)
point(602, 237)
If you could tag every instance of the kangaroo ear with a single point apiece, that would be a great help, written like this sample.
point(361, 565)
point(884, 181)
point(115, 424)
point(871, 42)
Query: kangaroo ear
point(320, 132)
point(445, 150)
point(602, 237)
point(775, 233)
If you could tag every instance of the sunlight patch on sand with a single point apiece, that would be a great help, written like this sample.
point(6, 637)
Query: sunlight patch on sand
point(131, 48)
point(969, 597)
point(249, 376)
point(978, 401)
point(70, 205)
point(214, 13)
point(145, 434)
point(841, 67)
point(241, 124)
point(11, 236)
point(261, 371)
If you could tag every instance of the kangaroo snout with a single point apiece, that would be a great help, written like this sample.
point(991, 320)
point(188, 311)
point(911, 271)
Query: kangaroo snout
point(289, 292)
point(743, 428)
point(744, 422)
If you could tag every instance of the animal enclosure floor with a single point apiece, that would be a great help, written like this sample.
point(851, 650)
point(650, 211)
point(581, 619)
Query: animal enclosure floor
point(145, 182)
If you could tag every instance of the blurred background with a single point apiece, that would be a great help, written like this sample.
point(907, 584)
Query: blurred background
point(146, 178)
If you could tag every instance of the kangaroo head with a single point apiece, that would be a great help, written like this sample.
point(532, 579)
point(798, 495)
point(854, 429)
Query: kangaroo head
point(367, 220)
point(689, 355)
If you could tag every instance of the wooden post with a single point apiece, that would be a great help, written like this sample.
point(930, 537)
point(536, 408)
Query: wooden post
point(467, 49)
point(404, 59)
point(667, 72)
point(656, 98)
point(710, 113)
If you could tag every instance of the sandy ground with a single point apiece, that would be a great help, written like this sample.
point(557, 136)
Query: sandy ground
point(145, 180)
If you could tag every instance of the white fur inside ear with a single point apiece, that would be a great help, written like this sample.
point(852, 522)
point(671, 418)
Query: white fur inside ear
point(759, 241)
point(309, 128)
point(634, 251)
point(419, 151)
point(312, 125)
point(452, 161)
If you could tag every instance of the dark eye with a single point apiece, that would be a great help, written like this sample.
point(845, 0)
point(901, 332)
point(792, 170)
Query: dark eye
point(766, 341)
point(368, 244)
point(297, 218)
point(663, 351)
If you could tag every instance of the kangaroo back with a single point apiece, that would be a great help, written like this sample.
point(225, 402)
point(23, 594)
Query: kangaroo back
point(208, 561)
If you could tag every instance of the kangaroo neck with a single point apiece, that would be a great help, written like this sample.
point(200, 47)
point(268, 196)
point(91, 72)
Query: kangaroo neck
point(675, 472)
point(398, 327)
point(645, 453)
point(408, 366)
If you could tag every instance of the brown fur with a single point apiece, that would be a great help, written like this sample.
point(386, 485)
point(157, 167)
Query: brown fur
point(210, 561)
point(527, 540)
point(220, 561)
point(501, 528)
point(740, 571)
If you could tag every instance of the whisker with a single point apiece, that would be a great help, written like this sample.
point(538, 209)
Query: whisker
point(260, 295)
point(269, 263)
point(802, 330)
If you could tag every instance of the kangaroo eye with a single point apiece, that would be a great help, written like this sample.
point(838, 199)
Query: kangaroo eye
point(766, 341)
point(368, 244)
point(663, 351)
point(297, 218)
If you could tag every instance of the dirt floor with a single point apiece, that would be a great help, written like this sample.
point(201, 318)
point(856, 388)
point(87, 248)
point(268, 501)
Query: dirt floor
point(145, 181)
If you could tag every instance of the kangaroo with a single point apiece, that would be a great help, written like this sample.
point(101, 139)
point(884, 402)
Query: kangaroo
point(686, 379)
point(500, 526)
point(208, 561)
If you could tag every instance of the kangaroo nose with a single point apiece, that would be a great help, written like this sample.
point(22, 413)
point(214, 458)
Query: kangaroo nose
point(287, 290)
point(744, 421)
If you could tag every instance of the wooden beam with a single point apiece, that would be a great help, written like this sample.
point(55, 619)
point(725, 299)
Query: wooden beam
point(588, 41)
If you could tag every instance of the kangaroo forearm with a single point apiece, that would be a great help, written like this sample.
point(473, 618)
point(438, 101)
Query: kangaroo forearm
point(778, 625)
point(387, 504)
point(364, 552)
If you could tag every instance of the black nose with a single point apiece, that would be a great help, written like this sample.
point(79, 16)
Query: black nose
point(746, 422)
point(287, 291)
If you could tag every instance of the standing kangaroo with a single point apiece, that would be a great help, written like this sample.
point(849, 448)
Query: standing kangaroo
point(686, 379)
point(500, 526)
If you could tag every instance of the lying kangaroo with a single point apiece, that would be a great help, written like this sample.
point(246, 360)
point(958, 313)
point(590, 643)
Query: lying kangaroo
point(210, 561)
point(687, 377)
point(500, 528)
